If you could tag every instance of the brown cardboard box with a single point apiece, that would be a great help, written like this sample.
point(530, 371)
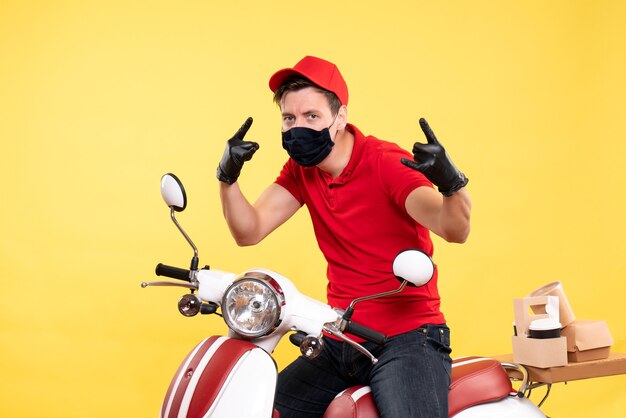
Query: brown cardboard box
point(549, 352)
point(587, 340)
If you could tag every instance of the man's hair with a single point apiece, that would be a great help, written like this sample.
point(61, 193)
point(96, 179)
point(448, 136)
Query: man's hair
point(297, 82)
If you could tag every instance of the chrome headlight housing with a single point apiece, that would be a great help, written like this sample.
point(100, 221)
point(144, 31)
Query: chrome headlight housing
point(252, 305)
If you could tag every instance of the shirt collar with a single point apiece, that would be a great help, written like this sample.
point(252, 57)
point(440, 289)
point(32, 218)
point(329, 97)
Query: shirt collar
point(355, 156)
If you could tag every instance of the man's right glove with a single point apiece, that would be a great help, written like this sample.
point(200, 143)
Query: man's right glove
point(433, 161)
point(237, 151)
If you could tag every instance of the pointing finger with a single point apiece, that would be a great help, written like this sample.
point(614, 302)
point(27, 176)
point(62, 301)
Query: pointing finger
point(430, 135)
point(244, 129)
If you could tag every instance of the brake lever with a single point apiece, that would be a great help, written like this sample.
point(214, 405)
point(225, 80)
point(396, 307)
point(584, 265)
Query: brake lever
point(171, 284)
point(357, 346)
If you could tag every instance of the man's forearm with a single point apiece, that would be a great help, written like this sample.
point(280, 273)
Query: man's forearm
point(240, 215)
point(455, 216)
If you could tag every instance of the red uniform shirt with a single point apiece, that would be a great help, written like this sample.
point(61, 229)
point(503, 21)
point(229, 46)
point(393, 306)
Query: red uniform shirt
point(361, 224)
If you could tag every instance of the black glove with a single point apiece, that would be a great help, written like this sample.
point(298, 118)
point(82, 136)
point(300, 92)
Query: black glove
point(237, 151)
point(433, 161)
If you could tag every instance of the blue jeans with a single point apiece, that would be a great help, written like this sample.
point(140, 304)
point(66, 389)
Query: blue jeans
point(411, 378)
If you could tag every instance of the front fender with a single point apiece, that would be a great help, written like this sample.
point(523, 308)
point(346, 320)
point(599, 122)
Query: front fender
point(222, 377)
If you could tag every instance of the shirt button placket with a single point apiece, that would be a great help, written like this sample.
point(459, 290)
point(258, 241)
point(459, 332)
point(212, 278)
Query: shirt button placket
point(331, 195)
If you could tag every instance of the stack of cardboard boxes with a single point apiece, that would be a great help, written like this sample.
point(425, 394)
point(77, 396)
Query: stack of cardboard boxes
point(577, 341)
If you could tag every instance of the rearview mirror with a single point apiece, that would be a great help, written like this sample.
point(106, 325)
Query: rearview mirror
point(173, 192)
point(414, 266)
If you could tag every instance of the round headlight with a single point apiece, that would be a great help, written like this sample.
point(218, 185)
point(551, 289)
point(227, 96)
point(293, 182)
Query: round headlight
point(251, 307)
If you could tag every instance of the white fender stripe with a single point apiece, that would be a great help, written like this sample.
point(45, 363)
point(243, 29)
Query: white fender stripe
point(474, 360)
point(180, 376)
point(184, 407)
point(340, 393)
point(358, 394)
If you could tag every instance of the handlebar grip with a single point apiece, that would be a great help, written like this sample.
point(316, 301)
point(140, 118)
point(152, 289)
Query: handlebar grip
point(173, 272)
point(365, 333)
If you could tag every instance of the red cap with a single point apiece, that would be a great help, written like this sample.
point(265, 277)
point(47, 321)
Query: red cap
point(321, 72)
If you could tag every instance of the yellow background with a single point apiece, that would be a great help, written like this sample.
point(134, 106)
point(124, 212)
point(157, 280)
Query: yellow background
point(99, 99)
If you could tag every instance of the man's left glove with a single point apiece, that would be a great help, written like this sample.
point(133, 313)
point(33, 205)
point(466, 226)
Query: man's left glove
point(433, 161)
point(237, 151)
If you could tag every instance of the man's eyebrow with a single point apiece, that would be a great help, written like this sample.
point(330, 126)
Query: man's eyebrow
point(306, 113)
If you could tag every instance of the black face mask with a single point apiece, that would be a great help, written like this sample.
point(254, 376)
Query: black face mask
point(306, 146)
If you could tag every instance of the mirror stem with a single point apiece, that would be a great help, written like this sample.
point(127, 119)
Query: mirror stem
point(348, 314)
point(194, 262)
